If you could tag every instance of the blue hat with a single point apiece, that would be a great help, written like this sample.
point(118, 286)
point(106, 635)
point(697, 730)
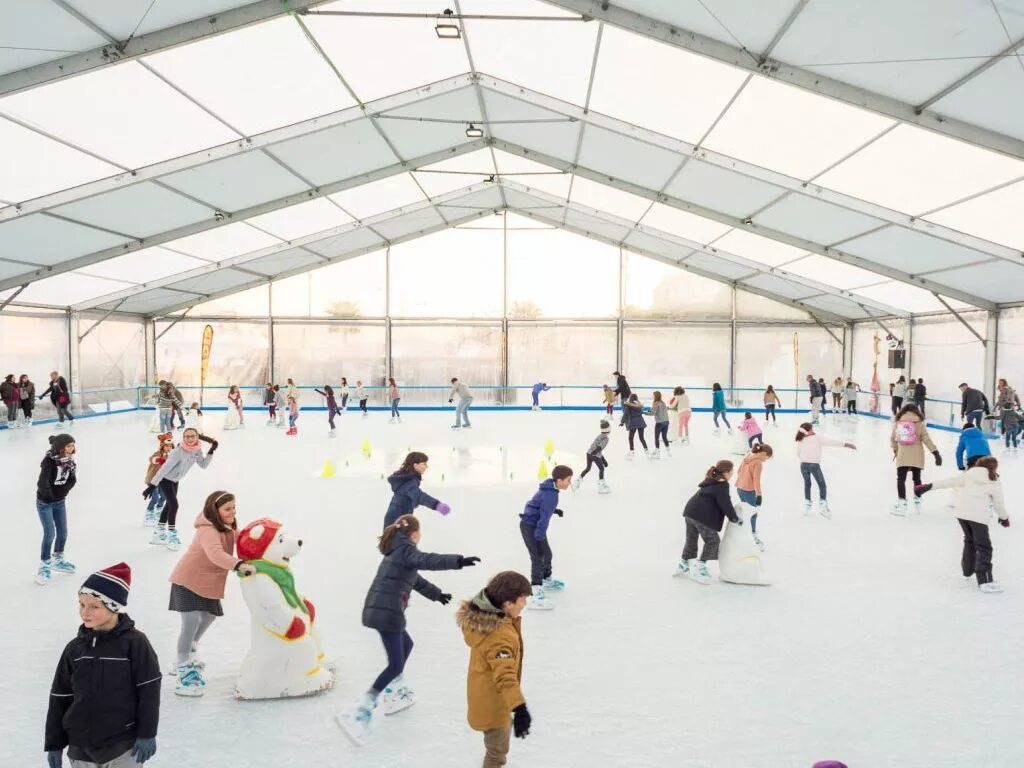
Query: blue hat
point(111, 586)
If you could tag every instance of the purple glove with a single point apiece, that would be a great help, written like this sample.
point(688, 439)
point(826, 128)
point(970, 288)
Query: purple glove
point(443, 508)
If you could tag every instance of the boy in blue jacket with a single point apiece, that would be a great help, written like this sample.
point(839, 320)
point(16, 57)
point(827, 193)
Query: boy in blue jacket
point(537, 389)
point(973, 444)
point(534, 526)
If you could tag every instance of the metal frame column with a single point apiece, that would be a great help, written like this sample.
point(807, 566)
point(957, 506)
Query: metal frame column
point(388, 368)
point(991, 353)
point(506, 398)
point(74, 358)
point(618, 319)
point(732, 348)
point(270, 330)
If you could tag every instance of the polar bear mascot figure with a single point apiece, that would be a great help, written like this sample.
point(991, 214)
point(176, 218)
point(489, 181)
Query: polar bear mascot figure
point(739, 559)
point(285, 658)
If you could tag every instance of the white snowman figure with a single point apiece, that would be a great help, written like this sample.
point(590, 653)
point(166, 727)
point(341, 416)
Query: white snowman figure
point(739, 559)
point(285, 658)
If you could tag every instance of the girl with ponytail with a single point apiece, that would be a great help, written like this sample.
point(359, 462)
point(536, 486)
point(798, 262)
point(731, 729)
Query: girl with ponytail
point(705, 513)
point(808, 448)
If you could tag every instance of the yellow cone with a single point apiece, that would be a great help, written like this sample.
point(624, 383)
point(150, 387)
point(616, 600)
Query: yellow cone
point(328, 470)
point(549, 448)
point(542, 470)
point(367, 450)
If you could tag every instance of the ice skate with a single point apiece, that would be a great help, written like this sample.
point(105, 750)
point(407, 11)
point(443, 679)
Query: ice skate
point(150, 518)
point(917, 505)
point(456, 426)
point(171, 541)
point(630, 456)
point(43, 575)
point(699, 572)
point(668, 452)
point(357, 721)
point(824, 510)
point(602, 487)
point(991, 587)
point(190, 682)
point(159, 537)
point(808, 510)
point(716, 431)
point(900, 508)
point(760, 542)
point(396, 697)
point(292, 432)
point(538, 601)
point(391, 420)
point(682, 568)
point(655, 454)
point(555, 585)
point(60, 565)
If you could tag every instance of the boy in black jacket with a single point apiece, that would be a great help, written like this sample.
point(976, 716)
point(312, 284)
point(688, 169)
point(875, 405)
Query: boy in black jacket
point(105, 698)
point(705, 514)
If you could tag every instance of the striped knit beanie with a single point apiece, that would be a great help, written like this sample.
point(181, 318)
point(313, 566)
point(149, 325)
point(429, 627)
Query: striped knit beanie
point(111, 586)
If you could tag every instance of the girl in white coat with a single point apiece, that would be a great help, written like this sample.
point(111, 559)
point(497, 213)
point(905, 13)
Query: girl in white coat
point(980, 494)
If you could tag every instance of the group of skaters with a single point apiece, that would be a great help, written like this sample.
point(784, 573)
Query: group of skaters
point(19, 399)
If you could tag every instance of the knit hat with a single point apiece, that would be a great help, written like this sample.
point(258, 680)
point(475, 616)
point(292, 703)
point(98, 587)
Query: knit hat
point(605, 426)
point(59, 442)
point(111, 586)
point(829, 764)
point(256, 537)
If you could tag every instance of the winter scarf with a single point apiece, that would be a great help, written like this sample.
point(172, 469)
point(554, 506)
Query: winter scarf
point(284, 579)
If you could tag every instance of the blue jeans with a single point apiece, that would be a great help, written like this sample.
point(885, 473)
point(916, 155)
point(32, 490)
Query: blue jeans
point(156, 499)
point(53, 516)
point(398, 646)
point(394, 408)
point(974, 417)
point(750, 499)
point(809, 470)
point(536, 398)
point(721, 413)
point(462, 411)
point(1012, 433)
point(165, 419)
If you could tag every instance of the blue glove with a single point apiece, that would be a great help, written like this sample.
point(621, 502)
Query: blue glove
point(143, 750)
point(55, 758)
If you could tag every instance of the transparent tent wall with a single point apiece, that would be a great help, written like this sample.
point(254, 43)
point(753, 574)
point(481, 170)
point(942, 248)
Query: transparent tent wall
point(1010, 360)
point(558, 355)
point(664, 356)
point(34, 343)
point(863, 341)
point(430, 354)
point(767, 355)
point(945, 354)
point(111, 362)
point(320, 354)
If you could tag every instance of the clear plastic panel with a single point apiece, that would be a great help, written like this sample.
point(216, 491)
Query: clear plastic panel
point(683, 224)
point(768, 355)
point(815, 220)
point(941, 339)
point(34, 346)
point(832, 272)
point(780, 286)
point(239, 355)
point(278, 264)
point(683, 355)
point(999, 280)
point(44, 34)
point(908, 297)
point(608, 199)
point(560, 355)
point(536, 128)
point(913, 252)
point(223, 242)
point(237, 182)
point(631, 160)
point(42, 239)
point(349, 289)
point(315, 355)
point(1011, 347)
point(143, 266)
point(652, 289)
point(425, 355)
point(140, 210)
point(249, 303)
point(113, 354)
point(342, 152)
point(720, 190)
point(757, 248)
point(409, 224)
point(69, 288)
point(990, 98)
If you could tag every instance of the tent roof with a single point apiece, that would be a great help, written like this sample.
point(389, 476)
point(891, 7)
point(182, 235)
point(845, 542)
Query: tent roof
point(186, 158)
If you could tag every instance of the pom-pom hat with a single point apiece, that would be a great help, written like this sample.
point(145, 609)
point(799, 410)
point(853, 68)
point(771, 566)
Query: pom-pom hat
point(111, 586)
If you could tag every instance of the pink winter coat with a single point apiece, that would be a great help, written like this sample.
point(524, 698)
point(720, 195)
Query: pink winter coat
point(204, 567)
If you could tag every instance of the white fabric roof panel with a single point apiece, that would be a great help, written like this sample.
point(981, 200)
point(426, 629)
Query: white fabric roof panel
point(223, 242)
point(779, 286)
point(684, 224)
point(285, 261)
point(913, 252)
point(42, 239)
point(730, 270)
point(409, 223)
point(337, 153)
point(487, 199)
point(840, 306)
point(661, 246)
point(757, 248)
point(610, 230)
point(455, 173)
point(556, 139)
point(379, 196)
point(608, 199)
point(832, 272)
point(630, 160)
point(69, 288)
point(127, 17)
point(212, 282)
point(152, 301)
point(45, 33)
point(999, 280)
point(301, 219)
point(990, 216)
point(143, 266)
point(815, 220)
point(237, 182)
point(346, 242)
point(140, 210)
point(722, 190)
point(992, 98)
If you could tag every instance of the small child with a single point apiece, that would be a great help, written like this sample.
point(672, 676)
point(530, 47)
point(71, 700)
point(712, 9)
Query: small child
point(980, 494)
point(361, 397)
point(633, 413)
point(56, 479)
point(156, 460)
point(808, 449)
point(1010, 425)
point(235, 399)
point(394, 397)
point(533, 525)
point(332, 406)
point(490, 625)
point(270, 400)
point(680, 403)
point(595, 457)
point(771, 402)
point(194, 417)
point(718, 407)
point(852, 388)
point(188, 453)
point(293, 416)
point(659, 410)
point(609, 400)
point(752, 429)
point(539, 387)
point(105, 698)
point(405, 488)
point(344, 394)
point(280, 405)
point(971, 446)
point(748, 483)
point(705, 515)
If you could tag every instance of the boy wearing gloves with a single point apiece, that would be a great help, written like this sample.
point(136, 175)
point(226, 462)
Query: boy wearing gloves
point(533, 525)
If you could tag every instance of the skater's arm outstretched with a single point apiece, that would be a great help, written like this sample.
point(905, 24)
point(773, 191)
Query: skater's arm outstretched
point(427, 561)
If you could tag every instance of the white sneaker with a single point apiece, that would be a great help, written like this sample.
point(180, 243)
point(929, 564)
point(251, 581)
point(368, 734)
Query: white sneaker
point(357, 721)
point(682, 568)
point(396, 697)
point(602, 487)
point(808, 507)
point(538, 601)
point(43, 575)
point(699, 572)
point(899, 508)
point(824, 510)
point(991, 587)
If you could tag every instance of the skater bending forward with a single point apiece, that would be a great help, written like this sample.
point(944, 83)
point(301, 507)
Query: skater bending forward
point(705, 514)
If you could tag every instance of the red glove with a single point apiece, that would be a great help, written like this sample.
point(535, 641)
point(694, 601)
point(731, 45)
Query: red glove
point(296, 630)
point(311, 610)
point(1005, 523)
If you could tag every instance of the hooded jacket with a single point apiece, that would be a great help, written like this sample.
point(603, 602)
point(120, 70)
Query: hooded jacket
point(106, 690)
point(495, 643)
point(204, 567)
point(397, 575)
point(972, 443)
point(407, 496)
point(634, 415)
point(977, 496)
point(540, 508)
point(912, 455)
point(9, 391)
point(711, 504)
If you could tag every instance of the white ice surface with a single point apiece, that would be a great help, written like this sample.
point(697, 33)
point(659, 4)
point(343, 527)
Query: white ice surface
point(868, 647)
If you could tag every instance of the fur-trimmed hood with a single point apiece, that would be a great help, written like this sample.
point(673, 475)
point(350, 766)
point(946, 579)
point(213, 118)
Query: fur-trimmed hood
point(478, 618)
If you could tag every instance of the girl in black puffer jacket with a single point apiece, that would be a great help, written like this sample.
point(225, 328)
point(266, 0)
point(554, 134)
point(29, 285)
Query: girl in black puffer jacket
point(705, 513)
point(384, 610)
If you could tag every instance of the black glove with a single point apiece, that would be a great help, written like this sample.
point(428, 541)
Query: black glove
point(921, 490)
point(521, 721)
point(1005, 523)
point(559, 512)
point(445, 598)
point(938, 458)
point(467, 562)
point(449, 399)
point(207, 439)
point(757, 502)
point(738, 521)
point(148, 492)
point(213, 447)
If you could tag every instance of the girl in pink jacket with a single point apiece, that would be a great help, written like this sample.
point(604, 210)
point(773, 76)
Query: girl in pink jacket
point(197, 584)
point(808, 448)
point(752, 429)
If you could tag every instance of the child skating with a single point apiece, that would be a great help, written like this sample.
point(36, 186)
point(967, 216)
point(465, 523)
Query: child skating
point(533, 525)
point(384, 611)
point(609, 400)
point(705, 514)
point(280, 405)
point(394, 397)
point(405, 488)
point(157, 459)
point(633, 413)
point(332, 407)
point(56, 479)
point(771, 402)
point(748, 484)
point(105, 697)
point(751, 429)
point(851, 390)
point(194, 417)
point(270, 400)
point(595, 458)
point(362, 397)
point(659, 410)
point(236, 404)
point(979, 495)
point(718, 407)
point(680, 403)
point(188, 453)
point(293, 416)
point(908, 437)
point(344, 395)
point(808, 449)
point(197, 585)
point(491, 627)
point(970, 447)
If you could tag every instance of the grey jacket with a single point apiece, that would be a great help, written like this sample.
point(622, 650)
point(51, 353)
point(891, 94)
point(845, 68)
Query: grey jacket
point(660, 412)
point(599, 444)
point(397, 575)
point(460, 389)
point(179, 463)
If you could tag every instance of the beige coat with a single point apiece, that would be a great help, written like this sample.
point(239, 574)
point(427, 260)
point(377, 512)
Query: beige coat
point(912, 455)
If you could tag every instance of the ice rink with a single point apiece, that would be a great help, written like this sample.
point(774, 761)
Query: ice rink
point(868, 647)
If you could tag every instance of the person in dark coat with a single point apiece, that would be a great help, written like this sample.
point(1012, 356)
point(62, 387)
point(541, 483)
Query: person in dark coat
point(57, 477)
point(623, 391)
point(384, 610)
point(533, 525)
point(405, 484)
point(60, 396)
point(705, 513)
point(920, 395)
point(633, 413)
point(105, 698)
point(973, 404)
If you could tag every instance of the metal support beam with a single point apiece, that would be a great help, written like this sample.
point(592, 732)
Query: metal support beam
point(13, 296)
point(991, 354)
point(1008, 51)
point(777, 38)
point(173, 323)
point(882, 325)
point(96, 325)
point(732, 345)
point(271, 349)
point(828, 330)
point(959, 317)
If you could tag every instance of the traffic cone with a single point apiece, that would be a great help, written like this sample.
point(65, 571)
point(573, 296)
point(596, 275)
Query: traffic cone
point(549, 448)
point(328, 470)
point(367, 450)
point(542, 470)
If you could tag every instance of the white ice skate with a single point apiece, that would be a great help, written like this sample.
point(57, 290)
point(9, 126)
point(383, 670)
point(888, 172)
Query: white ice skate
point(648, 454)
point(899, 508)
point(576, 483)
point(655, 454)
point(630, 456)
point(357, 721)
point(396, 698)
point(331, 432)
point(172, 542)
point(159, 537)
point(699, 572)
point(760, 542)
point(43, 575)
point(682, 568)
point(602, 487)
point(824, 510)
point(917, 505)
point(808, 508)
point(991, 587)
point(716, 431)
point(538, 601)
point(555, 585)
point(668, 452)
point(190, 682)
point(60, 565)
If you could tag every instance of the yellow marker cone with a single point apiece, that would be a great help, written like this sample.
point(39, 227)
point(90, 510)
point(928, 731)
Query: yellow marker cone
point(542, 470)
point(367, 450)
point(549, 448)
point(328, 470)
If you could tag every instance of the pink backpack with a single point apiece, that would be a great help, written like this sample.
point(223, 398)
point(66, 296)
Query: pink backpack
point(906, 432)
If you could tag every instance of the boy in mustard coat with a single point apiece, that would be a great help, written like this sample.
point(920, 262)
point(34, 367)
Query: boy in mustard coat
point(490, 626)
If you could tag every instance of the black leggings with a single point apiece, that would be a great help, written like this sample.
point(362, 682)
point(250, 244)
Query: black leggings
point(398, 646)
point(633, 431)
point(331, 413)
point(598, 461)
point(660, 431)
point(769, 412)
point(897, 403)
point(851, 406)
point(362, 405)
point(26, 408)
point(169, 514)
point(901, 479)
